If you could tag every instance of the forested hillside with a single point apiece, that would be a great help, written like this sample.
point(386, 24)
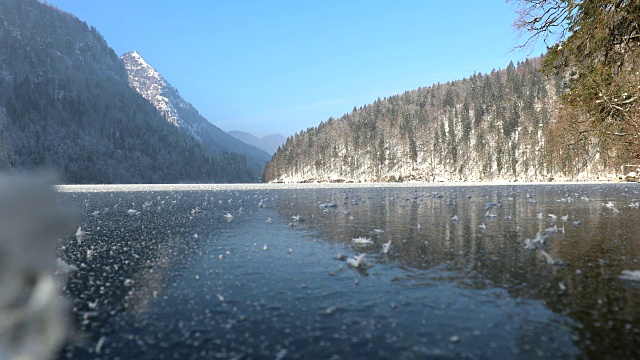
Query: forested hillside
point(68, 106)
point(487, 127)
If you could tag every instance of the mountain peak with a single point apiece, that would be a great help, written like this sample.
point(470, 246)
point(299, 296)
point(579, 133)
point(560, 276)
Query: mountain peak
point(135, 57)
point(149, 83)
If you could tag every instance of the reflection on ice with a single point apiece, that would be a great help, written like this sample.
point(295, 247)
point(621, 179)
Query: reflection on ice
point(481, 286)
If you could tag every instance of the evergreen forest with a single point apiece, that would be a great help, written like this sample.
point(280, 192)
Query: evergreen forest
point(486, 127)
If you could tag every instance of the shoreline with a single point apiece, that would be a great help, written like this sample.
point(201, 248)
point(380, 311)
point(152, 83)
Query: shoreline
point(323, 185)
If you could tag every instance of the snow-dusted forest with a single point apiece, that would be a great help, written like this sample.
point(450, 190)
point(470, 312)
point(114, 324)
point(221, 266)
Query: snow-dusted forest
point(487, 127)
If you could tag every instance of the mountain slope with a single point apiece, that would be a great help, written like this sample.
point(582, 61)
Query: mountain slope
point(487, 127)
point(153, 87)
point(4, 141)
point(269, 143)
point(69, 107)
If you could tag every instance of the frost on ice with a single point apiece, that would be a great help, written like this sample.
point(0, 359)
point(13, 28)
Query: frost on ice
point(633, 275)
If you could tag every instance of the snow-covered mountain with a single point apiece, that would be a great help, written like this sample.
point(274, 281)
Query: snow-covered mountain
point(164, 97)
point(66, 105)
point(153, 87)
point(269, 143)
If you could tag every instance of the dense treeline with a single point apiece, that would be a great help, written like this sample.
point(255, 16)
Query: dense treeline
point(488, 127)
point(69, 107)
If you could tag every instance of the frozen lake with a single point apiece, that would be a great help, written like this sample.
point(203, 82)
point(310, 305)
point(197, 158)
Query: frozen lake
point(165, 273)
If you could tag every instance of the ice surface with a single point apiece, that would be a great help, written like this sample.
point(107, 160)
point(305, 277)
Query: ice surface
point(447, 289)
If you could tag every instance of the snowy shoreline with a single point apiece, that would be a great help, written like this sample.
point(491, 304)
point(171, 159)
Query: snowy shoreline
point(323, 185)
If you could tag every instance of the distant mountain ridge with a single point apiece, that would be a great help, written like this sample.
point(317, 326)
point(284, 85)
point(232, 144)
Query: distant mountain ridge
point(66, 105)
point(152, 86)
point(269, 143)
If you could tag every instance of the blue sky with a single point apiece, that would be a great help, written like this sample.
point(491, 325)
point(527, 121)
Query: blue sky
point(283, 66)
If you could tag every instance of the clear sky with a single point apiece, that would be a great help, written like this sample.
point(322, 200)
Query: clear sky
point(281, 66)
